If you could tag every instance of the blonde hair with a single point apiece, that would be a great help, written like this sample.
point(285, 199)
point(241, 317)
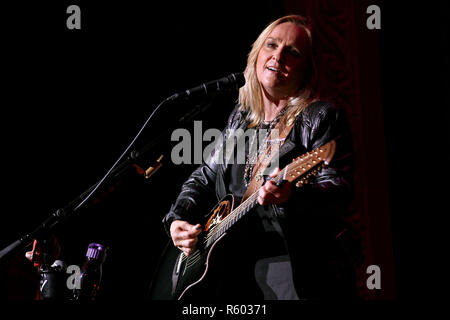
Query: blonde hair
point(250, 95)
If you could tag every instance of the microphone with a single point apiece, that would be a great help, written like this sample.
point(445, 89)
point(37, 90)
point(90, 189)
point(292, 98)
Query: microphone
point(232, 82)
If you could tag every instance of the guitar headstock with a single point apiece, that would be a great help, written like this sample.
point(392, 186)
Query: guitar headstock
point(309, 164)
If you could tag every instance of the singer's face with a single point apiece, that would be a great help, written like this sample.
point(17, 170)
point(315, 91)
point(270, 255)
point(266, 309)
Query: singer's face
point(281, 61)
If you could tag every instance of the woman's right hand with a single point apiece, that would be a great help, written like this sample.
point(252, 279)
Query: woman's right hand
point(185, 235)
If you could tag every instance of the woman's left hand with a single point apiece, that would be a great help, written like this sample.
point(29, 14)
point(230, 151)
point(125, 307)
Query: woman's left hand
point(270, 193)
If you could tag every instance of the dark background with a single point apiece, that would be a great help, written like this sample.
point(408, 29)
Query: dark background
point(72, 100)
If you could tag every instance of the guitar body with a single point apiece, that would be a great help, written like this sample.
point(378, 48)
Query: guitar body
point(186, 274)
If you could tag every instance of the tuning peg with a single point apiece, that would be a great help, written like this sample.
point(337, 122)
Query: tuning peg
point(299, 184)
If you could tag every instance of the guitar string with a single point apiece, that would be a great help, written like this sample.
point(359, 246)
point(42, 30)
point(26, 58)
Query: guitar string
point(193, 258)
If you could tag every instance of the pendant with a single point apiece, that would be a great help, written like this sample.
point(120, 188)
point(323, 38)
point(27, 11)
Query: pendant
point(259, 175)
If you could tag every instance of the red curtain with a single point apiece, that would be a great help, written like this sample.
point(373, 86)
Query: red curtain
point(348, 61)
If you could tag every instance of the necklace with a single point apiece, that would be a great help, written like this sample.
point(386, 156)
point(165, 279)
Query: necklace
point(262, 149)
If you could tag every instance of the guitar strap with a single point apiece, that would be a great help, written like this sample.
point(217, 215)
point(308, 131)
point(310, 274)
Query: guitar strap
point(265, 159)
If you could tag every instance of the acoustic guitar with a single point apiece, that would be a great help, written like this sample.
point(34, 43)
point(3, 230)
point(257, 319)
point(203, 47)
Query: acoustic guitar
point(186, 272)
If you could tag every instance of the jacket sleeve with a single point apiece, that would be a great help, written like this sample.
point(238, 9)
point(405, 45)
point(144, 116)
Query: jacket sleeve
point(331, 191)
point(198, 192)
point(321, 244)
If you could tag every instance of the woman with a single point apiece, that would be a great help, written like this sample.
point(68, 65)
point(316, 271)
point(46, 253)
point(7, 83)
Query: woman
point(292, 247)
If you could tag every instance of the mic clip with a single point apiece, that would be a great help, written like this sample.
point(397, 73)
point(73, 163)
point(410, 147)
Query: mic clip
point(151, 170)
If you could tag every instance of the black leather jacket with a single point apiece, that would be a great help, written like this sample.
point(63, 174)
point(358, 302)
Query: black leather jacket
point(311, 220)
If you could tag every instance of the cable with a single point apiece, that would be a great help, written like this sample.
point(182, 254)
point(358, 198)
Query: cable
point(122, 155)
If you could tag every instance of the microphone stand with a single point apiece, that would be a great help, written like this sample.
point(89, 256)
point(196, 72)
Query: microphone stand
point(62, 214)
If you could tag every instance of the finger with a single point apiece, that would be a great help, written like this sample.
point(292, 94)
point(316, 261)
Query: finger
point(196, 230)
point(260, 200)
point(271, 187)
point(264, 197)
point(181, 246)
point(265, 194)
point(189, 228)
point(177, 226)
point(274, 173)
point(189, 234)
point(265, 201)
point(271, 191)
point(185, 226)
point(189, 243)
point(262, 192)
point(183, 229)
point(184, 235)
point(271, 194)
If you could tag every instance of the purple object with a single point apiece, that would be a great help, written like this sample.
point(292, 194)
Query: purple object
point(96, 251)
